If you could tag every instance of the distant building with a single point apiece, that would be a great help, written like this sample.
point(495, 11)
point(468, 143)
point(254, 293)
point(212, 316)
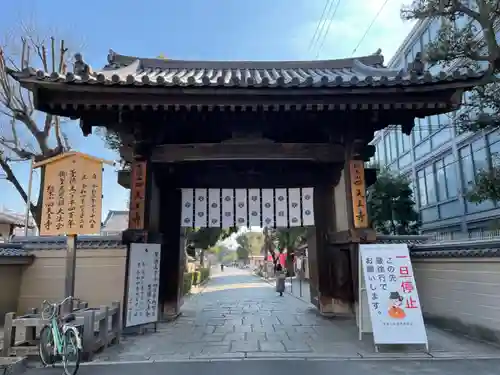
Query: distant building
point(438, 158)
point(115, 223)
point(13, 223)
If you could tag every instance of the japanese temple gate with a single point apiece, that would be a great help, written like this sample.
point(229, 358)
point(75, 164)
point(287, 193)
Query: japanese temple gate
point(249, 125)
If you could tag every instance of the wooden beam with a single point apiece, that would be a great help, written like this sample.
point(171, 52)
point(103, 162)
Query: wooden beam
point(268, 150)
point(358, 99)
point(247, 174)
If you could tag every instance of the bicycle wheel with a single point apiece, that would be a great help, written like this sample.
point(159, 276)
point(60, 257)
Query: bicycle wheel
point(46, 346)
point(71, 353)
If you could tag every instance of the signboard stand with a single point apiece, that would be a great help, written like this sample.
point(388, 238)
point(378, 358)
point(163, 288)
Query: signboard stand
point(142, 285)
point(72, 204)
point(69, 278)
point(387, 290)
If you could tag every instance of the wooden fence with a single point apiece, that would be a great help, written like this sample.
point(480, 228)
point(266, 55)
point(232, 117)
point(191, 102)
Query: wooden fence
point(99, 327)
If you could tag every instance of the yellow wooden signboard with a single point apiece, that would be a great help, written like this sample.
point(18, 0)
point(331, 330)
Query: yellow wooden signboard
point(72, 195)
point(358, 191)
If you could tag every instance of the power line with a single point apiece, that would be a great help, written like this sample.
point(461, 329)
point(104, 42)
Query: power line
point(327, 30)
point(369, 27)
point(321, 20)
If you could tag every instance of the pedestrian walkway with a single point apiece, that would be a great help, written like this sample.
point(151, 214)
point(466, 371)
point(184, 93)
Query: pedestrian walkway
point(238, 315)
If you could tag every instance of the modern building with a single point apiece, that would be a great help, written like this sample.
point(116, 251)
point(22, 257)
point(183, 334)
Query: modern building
point(439, 159)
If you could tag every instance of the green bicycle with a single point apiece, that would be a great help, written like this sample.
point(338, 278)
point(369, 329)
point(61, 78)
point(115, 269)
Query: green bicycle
point(60, 340)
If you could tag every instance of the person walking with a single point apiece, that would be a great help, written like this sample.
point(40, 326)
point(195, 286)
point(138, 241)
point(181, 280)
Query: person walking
point(280, 280)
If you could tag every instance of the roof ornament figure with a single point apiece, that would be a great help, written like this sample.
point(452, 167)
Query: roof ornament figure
point(111, 56)
point(418, 65)
point(80, 67)
point(378, 52)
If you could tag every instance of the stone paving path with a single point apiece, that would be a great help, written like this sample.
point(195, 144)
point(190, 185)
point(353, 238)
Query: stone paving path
point(239, 315)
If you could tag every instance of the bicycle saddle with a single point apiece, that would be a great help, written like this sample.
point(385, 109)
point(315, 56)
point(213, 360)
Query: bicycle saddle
point(68, 318)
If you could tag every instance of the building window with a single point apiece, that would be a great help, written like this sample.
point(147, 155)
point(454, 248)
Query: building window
point(422, 191)
point(430, 184)
point(406, 142)
point(433, 28)
point(401, 146)
point(383, 154)
point(393, 143)
point(388, 148)
point(446, 178)
point(467, 167)
point(450, 171)
point(480, 154)
point(426, 186)
point(494, 142)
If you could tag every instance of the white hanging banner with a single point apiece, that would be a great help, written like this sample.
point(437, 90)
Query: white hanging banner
point(214, 208)
point(268, 208)
point(227, 208)
point(254, 207)
point(294, 210)
point(307, 207)
point(187, 208)
point(241, 207)
point(200, 208)
point(395, 310)
point(143, 284)
point(281, 208)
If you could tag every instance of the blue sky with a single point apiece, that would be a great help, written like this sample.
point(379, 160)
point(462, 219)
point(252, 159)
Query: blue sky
point(195, 29)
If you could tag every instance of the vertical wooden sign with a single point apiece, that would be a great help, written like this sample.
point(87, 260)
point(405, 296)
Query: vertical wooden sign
point(358, 191)
point(137, 212)
point(72, 195)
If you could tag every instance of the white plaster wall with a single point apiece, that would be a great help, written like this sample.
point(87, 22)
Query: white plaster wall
point(463, 289)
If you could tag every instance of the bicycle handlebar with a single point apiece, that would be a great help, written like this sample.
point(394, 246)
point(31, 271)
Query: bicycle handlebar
point(69, 298)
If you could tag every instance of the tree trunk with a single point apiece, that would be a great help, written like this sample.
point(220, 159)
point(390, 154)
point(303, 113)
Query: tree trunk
point(202, 258)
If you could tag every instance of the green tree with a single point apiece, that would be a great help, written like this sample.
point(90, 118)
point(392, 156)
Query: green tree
point(467, 37)
point(26, 134)
point(243, 249)
point(487, 184)
point(277, 240)
point(205, 238)
point(249, 243)
point(391, 207)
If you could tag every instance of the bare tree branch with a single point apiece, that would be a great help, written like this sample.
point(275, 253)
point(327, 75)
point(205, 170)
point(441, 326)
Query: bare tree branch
point(16, 106)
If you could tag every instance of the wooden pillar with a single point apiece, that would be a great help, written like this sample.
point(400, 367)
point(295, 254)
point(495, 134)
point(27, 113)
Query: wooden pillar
point(172, 262)
point(340, 227)
point(144, 211)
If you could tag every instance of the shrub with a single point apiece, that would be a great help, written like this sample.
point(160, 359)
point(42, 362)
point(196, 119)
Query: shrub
point(196, 278)
point(188, 280)
point(204, 274)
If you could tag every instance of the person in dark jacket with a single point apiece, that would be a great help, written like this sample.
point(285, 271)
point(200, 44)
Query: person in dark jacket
point(280, 280)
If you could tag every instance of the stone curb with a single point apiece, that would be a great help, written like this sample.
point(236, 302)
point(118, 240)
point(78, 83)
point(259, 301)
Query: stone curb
point(13, 365)
point(296, 357)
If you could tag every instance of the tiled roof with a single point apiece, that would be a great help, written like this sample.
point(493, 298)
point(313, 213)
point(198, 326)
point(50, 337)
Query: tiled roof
point(116, 221)
point(458, 249)
point(59, 242)
point(14, 218)
point(367, 71)
point(12, 250)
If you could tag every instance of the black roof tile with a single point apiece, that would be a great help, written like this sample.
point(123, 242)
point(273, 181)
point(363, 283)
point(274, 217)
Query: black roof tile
point(367, 71)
